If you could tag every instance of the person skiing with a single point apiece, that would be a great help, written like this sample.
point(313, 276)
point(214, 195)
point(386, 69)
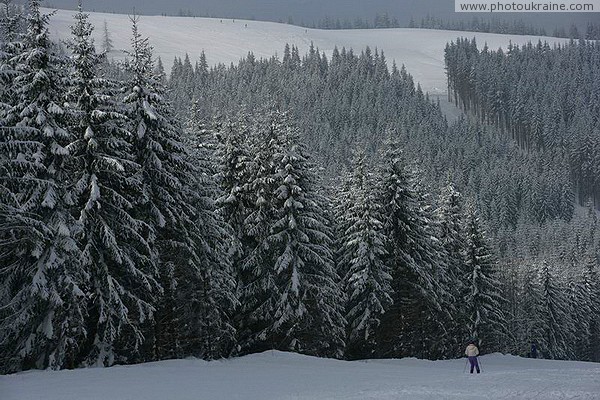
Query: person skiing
point(533, 351)
point(472, 352)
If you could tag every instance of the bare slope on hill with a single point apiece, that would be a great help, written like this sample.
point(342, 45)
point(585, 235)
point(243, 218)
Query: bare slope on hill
point(227, 40)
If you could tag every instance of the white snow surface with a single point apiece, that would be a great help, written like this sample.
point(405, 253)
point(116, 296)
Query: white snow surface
point(226, 41)
point(280, 376)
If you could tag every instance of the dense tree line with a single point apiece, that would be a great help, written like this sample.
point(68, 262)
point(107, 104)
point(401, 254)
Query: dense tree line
point(354, 100)
point(516, 193)
point(380, 21)
point(128, 237)
point(517, 92)
point(553, 286)
point(110, 240)
point(131, 229)
point(338, 103)
point(548, 99)
point(591, 32)
point(476, 24)
point(514, 27)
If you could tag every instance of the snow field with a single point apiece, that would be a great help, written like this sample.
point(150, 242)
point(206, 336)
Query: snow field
point(285, 376)
point(226, 41)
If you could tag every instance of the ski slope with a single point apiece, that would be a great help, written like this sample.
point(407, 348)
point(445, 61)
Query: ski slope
point(282, 376)
point(226, 41)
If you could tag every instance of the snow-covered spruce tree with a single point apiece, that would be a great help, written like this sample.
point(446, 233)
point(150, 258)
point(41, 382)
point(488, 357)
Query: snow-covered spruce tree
point(107, 43)
point(439, 339)
point(233, 166)
point(412, 326)
point(308, 314)
point(165, 175)
point(116, 254)
point(532, 315)
point(159, 72)
point(483, 302)
point(11, 21)
point(553, 309)
point(590, 287)
point(450, 220)
point(42, 284)
point(181, 82)
point(10, 45)
point(332, 326)
point(207, 295)
point(368, 280)
point(289, 291)
point(342, 198)
point(233, 173)
point(591, 284)
point(191, 240)
point(579, 311)
point(258, 290)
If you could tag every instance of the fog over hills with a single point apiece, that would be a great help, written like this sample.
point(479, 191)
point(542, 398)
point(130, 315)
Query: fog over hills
point(310, 11)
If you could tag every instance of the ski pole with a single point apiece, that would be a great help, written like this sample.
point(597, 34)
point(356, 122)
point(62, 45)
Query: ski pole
point(465, 368)
point(480, 364)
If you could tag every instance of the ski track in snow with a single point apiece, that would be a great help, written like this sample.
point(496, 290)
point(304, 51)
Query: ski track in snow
point(420, 50)
point(284, 376)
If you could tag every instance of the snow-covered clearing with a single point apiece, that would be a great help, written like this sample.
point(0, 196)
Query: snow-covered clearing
point(280, 376)
point(226, 41)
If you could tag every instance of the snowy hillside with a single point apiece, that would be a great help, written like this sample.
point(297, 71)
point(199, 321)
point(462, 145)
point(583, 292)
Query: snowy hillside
point(226, 41)
point(279, 376)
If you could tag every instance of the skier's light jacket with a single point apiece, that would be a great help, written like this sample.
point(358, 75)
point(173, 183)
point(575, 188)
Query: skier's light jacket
point(472, 351)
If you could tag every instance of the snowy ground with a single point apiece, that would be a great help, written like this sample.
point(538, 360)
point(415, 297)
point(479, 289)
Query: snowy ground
point(282, 376)
point(226, 41)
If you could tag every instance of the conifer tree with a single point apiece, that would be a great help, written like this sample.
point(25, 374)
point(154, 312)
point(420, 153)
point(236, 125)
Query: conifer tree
point(10, 45)
point(207, 293)
point(234, 162)
point(259, 290)
point(525, 318)
point(450, 219)
point(116, 253)
point(579, 309)
point(483, 301)
point(42, 281)
point(107, 43)
point(591, 287)
point(182, 251)
point(553, 308)
point(308, 314)
point(288, 284)
point(412, 322)
point(368, 282)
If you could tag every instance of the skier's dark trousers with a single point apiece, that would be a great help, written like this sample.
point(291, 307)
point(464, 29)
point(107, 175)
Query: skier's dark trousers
point(472, 352)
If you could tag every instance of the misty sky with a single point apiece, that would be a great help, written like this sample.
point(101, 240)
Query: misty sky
point(310, 11)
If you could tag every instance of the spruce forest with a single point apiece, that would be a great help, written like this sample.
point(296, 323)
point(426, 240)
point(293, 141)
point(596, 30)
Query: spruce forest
point(317, 204)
